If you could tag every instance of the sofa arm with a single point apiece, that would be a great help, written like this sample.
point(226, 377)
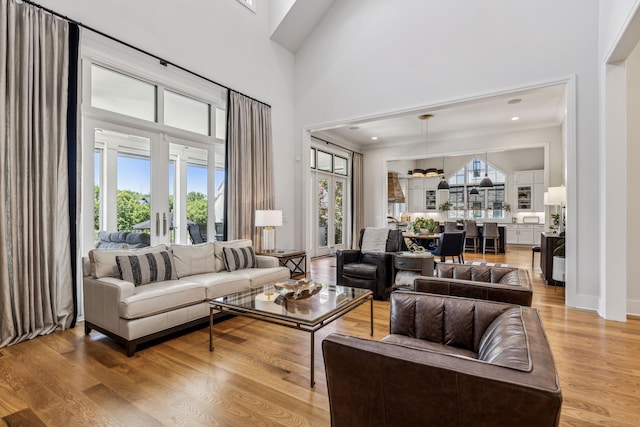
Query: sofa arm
point(102, 298)
point(265, 261)
point(365, 378)
point(511, 294)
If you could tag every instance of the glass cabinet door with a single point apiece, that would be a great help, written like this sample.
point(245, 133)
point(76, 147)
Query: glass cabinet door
point(524, 197)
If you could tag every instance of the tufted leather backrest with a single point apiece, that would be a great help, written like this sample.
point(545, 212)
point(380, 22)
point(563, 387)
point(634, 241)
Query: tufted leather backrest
point(505, 343)
point(458, 322)
point(478, 273)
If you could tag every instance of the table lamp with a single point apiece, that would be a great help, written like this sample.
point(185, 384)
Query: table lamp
point(268, 219)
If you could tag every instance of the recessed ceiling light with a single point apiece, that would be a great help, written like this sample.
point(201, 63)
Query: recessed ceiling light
point(514, 118)
point(514, 101)
point(354, 127)
point(374, 138)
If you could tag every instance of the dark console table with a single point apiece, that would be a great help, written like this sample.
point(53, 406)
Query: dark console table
point(548, 242)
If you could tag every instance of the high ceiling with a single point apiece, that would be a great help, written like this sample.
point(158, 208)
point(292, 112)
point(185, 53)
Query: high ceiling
point(541, 107)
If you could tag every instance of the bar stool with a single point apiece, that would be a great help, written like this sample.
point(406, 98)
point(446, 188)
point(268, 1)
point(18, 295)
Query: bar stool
point(534, 249)
point(490, 232)
point(450, 226)
point(472, 233)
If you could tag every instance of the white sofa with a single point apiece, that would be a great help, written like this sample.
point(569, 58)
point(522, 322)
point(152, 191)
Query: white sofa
point(136, 314)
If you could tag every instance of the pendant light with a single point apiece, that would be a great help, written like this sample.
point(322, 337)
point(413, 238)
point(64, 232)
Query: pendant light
point(486, 181)
point(444, 184)
point(429, 172)
point(474, 191)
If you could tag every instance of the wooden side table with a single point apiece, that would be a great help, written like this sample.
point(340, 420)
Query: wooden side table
point(293, 259)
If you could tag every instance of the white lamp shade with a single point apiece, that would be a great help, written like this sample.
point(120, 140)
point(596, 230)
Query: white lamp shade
point(557, 195)
point(269, 218)
point(545, 199)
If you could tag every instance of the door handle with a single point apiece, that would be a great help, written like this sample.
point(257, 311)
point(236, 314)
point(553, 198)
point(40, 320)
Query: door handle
point(158, 224)
point(164, 223)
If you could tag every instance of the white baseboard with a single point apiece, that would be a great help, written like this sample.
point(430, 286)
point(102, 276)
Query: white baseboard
point(633, 307)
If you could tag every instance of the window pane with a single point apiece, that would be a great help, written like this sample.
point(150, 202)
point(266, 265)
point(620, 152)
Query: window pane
point(221, 123)
point(325, 161)
point(313, 158)
point(186, 113)
point(340, 165)
point(323, 211)
point(134, 192)
point(97, 189)
point(339, 197)
point(197, 204)
point(122, 94)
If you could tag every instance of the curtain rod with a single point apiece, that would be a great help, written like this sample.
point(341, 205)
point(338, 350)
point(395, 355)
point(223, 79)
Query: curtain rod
point(161, 60)
point(336, 145)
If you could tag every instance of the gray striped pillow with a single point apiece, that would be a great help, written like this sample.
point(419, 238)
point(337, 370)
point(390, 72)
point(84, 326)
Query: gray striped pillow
point(146, 268)
point(239, 258)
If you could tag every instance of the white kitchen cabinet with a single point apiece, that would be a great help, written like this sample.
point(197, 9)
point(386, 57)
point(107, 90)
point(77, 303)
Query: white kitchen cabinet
point(529, 190)
point(538, 197)
point(416, 200)
point(537, 234)
point(521, 234)
point(416, 183)
point(538, 176)
point(512, 234)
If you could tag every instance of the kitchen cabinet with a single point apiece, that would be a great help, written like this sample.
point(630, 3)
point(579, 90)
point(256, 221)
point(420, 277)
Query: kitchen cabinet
point(523, 234)
point(529, 190)
point(423, 195)
point(416, 200)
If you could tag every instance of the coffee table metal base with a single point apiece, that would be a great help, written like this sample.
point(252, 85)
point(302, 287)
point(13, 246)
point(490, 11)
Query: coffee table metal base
point(292, 324)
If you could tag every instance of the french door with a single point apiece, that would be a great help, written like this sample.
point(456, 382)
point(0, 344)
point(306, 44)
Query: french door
point(330, 213)
point(150, 182)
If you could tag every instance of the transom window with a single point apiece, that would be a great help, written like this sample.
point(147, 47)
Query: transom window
point(463, 185)
point(327, 162)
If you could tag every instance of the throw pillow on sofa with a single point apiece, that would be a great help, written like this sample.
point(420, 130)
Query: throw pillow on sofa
point(194, 259)
point(146, 268)
point(103, 261)
point(219, 246)
point(239, 258)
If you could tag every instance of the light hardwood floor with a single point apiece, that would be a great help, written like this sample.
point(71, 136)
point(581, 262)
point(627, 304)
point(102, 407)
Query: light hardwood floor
point(258, 373)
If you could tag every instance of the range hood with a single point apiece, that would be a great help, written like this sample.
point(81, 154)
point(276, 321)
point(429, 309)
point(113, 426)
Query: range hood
point(393, 188)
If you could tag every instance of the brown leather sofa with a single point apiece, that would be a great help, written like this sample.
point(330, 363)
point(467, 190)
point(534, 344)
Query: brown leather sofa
point(448, 361)
point(501, 284)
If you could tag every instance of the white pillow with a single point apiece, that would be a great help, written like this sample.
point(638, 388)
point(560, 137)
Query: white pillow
point(103, 261)
point(240, 243)
point(194, 259)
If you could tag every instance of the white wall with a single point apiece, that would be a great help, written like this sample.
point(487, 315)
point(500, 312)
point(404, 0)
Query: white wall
point(367, 59)
point(614, 16)
point(223, 41)
point(633, 177)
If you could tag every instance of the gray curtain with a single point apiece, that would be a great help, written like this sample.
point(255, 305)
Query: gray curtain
point(250, 166)
point(36, 291)
point(357, 190)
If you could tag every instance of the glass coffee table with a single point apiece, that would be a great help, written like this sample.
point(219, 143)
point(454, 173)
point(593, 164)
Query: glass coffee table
point(308, 314)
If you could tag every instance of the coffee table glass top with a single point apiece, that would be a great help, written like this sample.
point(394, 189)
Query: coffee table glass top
point(311, 311)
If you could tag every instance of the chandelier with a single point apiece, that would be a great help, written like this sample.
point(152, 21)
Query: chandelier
point(430, 172)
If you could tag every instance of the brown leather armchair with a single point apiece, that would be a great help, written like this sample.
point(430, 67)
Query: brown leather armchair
point(369, 270)
point(500, 284)
point(448, 361)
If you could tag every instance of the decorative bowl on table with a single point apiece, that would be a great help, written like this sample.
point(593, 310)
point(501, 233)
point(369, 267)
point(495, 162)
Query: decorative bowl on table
point(297, 289)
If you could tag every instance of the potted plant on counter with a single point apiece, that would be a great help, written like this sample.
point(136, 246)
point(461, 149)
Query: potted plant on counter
point(424, 225)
